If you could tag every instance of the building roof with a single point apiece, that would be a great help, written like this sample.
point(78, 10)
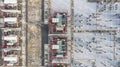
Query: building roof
point(11, 38)
point(11, 59)
point(10, 19)
point(12, 11)
point(59, 55)
point(55, 46)
point(6, 30)
point(10, 1)
point(59, 28)
point(55, 20)
point(1, 20)
point(9, 49)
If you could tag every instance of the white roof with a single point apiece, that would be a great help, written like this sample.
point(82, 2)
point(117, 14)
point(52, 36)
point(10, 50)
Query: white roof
point(59, 28)
point(15, 29)
point(9, 49)
point(12, 11)
point(10, 64)
point(10, 1)
point(46, 46)
point(59, 56)
point(55, 46)
point(7, 30)
point(10, 43)
point(10, 38)
point(46, 21)
point(10, 19)
point(1, 20)
point(55, 20)
point(12, 59)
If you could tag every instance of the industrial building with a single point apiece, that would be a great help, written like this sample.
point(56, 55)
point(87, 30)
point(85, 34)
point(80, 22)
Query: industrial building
point(58, 51)
point(58, 44)
point(58, 23)
point(10, 25)
point(58, 47)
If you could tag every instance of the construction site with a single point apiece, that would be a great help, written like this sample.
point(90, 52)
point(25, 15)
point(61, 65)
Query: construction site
point(59, 33)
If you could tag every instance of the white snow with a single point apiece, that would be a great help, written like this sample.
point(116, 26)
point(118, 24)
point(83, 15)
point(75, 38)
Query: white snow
point(92, 46)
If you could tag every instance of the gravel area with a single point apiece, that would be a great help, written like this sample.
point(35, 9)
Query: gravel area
point(34, 33)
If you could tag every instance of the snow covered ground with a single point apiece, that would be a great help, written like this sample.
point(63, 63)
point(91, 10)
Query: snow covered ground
point(118, 46)
point(100, 47)
point(95, 46)
point(60, 6)
point(84, 63)
point(92, 16)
